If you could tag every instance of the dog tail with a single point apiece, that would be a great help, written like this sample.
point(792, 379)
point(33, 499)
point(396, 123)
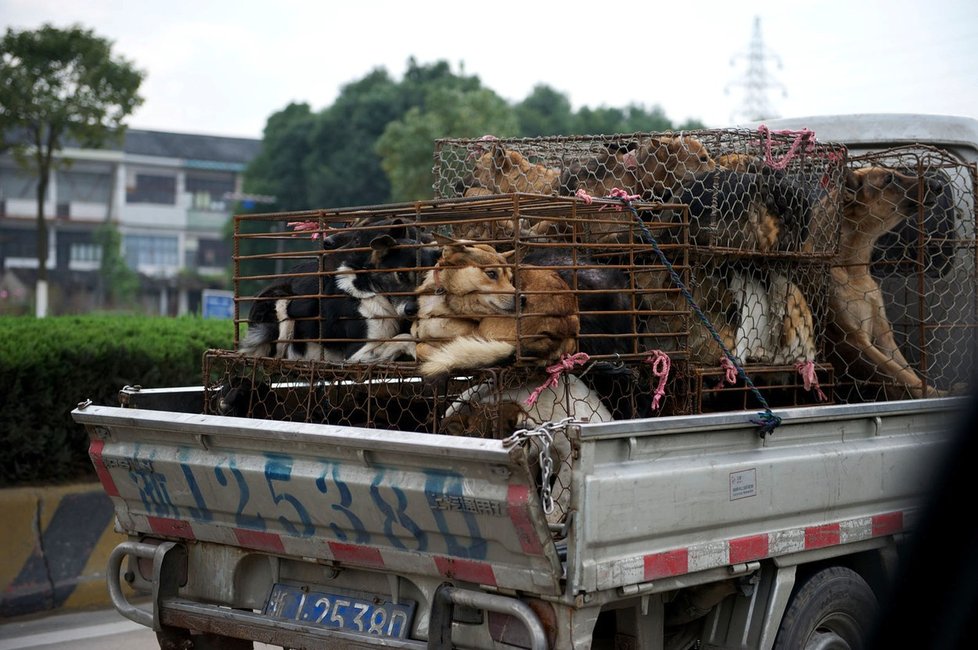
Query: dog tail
point(466, 353)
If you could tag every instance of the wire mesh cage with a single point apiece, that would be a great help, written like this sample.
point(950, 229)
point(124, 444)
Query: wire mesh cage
point(746, 192)
point(902, 306)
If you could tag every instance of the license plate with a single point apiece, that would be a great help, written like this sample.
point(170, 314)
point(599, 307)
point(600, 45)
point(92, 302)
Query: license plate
point(354, 613)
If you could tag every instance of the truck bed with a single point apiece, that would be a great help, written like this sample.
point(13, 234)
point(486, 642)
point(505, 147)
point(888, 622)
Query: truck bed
point(652, 501)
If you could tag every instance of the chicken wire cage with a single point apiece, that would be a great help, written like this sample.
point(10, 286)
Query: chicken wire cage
point(905, 277)
point(746, 192)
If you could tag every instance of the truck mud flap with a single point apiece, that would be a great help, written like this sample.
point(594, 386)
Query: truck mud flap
point(463, 509)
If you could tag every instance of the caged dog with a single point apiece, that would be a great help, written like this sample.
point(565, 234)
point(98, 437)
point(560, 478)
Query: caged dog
point(356, 310)
point(468, 306)
point(488, 411)
point(876, 200)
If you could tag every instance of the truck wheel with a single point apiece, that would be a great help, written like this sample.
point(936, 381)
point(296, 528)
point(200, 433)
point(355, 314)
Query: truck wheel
point(172, 638)
point(833, 610)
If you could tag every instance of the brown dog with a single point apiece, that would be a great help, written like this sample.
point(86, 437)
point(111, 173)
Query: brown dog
point(876, 200)
point(467, 311)
point(501, 171)
point(665, 164)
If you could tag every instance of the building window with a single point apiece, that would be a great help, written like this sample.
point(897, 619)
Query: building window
point(212, 253)
point(82, 252)
point(148, 250)
point(150, 188)
point(15, 183)
point(208, 190)
point(85, 187)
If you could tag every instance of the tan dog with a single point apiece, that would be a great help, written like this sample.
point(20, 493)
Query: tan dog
point(876, 199)
point(501, 171)
point(664, 165)
point(467, 311)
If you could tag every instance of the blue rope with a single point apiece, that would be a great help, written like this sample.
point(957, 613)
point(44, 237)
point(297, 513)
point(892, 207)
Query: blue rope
point(766, 421)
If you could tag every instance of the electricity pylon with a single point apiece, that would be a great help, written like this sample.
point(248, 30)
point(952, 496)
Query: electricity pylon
point(757, 82)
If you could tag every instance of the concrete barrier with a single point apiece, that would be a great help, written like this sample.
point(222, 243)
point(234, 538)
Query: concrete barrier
point(55, 545)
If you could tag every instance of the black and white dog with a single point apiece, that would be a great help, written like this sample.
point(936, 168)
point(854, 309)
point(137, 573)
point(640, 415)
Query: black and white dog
point(355, 311)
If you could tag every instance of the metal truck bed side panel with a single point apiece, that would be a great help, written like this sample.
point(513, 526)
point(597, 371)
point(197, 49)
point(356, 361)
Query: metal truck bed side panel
point(705, 492)
point(459, 508)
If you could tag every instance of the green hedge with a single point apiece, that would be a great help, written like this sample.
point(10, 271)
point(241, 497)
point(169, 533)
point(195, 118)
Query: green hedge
point(48, 366)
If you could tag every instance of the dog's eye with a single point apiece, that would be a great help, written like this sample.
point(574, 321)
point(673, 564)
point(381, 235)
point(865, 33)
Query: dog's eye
point(888, 179)
point(492, 274)
point(404, 276)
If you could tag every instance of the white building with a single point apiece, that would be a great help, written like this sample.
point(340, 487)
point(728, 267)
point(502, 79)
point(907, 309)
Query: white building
point(170, 196)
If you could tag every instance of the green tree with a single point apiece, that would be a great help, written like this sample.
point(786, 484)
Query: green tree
point(59, 85)
point(342, 168)
point(545, 111)
point(118, 282)
point(407, 145)
point(278, 169)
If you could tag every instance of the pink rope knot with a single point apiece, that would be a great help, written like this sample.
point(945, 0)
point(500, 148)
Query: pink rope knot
point(478, 148)
point(804, 137)
point(566, 364)
point(660, 363)
point(618, 193)
point(582, 194)
point(303, 226)
point(810, 379)
point(729, 370)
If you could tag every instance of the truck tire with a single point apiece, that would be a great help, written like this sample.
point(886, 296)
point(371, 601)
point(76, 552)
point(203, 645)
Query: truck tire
point(832, 610)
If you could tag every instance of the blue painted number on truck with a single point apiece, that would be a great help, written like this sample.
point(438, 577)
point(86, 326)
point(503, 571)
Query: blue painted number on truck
point(396, 515)
point(343, 507)
point(450, 484)
point(255, 521)
point(278, 469)
point(387, 496)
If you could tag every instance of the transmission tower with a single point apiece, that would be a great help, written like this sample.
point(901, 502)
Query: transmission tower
point(756, 82)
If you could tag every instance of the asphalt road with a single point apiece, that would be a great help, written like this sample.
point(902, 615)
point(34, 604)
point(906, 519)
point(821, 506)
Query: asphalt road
point(95, 630)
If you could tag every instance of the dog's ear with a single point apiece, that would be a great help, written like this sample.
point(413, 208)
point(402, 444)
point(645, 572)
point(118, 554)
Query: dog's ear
point(851, 184)
point(444, 240)
point(400, 229)
point(508, 254)
point(382, 244)
point(500, 158)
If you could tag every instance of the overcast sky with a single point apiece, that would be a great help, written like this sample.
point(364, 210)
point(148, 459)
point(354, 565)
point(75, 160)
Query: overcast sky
point(223, 66)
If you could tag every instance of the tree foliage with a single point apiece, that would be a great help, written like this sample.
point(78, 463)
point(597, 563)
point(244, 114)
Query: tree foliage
point(407, 144)
point(58, 85)
point(375, 143)
point(118, 283)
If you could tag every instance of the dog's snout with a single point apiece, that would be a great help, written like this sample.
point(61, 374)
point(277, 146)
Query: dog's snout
point(411, 308)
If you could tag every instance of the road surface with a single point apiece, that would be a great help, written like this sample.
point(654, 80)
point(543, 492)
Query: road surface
point(94, 630)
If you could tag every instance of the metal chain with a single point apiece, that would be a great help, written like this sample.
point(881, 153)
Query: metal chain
point(545, 432)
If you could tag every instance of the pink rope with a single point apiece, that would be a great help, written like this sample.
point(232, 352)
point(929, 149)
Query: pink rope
point(804, 136)
point(810, 379)
point(477, 149)
point(566, 364)
point(304, 226)
point(729, 370)
point(660, 363)
point(618, 193)
point(582, 194)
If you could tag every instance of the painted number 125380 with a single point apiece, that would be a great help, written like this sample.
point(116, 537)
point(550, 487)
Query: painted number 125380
point(366, 615)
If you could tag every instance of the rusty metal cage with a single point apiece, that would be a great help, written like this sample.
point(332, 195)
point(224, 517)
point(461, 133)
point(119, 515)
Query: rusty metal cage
point(903, 307)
